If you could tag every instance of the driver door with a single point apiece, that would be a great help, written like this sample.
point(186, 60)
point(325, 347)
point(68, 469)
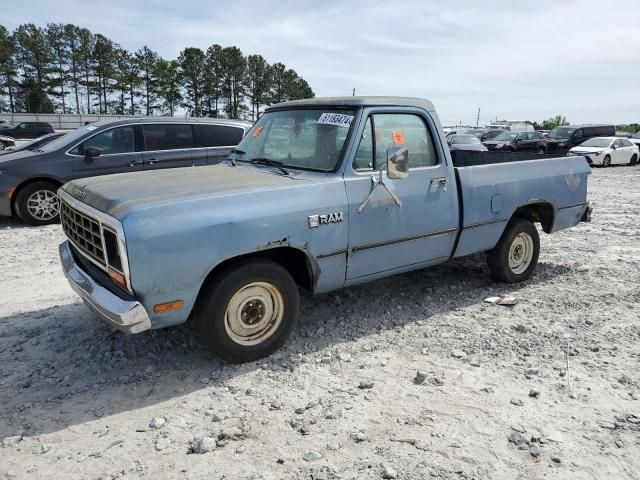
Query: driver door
point(386, 237)
point(119, 153)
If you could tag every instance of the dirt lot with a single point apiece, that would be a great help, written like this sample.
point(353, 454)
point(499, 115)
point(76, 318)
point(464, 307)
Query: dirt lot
point(547, 389)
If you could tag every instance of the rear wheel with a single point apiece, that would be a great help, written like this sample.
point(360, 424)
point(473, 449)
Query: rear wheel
point(634, 160)
point(515, 257)
point(248, 310)
point(606, 161)
point(38, 204)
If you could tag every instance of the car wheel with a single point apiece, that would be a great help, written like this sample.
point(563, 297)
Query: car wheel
point(3, 146)
point(606, 161)
point(38, 204)
point(248, 310)
point(515, 257)
point(634, 160)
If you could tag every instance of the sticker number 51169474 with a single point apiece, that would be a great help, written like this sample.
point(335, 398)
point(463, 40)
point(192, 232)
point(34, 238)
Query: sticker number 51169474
point(337, 119)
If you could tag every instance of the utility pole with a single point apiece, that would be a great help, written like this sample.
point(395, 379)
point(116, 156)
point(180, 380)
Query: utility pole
point(478, 117)
point(353, 94)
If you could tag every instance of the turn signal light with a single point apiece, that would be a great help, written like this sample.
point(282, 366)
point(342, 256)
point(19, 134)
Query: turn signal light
point(165, 307)
point(117, 277)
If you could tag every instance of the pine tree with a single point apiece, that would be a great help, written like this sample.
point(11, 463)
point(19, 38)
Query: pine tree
point(192, 62)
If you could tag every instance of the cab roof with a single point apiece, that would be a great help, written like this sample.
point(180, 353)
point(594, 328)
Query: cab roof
point(356, 102)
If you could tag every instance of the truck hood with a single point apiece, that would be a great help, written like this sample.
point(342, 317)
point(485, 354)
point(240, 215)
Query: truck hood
point(118, 194)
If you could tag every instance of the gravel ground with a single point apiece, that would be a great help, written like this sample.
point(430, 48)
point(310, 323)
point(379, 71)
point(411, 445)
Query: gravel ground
point(420, 379)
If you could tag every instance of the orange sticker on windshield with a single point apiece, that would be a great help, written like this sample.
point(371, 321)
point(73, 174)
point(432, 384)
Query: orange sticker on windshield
point(257, 132)
point(398, 137)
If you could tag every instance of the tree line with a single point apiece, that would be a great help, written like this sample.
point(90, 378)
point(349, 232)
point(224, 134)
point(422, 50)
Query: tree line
point(68, 69)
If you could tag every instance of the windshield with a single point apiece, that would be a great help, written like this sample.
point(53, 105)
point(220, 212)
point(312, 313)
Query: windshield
point(596, 142)
point(561, 132)
point(68, 139)
point(507, 136)
point(464, 139)
point(305, 139)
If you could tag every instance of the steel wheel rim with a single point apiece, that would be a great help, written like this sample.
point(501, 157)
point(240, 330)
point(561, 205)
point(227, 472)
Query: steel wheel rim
point(43, 205)
point(254, 313)
point(520, 253)
point(2, 146)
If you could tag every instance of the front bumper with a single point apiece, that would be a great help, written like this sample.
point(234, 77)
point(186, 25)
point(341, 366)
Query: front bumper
point(126, 315)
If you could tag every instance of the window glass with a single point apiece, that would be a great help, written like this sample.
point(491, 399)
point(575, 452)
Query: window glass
point(22, 125)
point(364, 156)
point(217, 135)
point(309, 139)
point(397, 129)
point(167, 136)
point(114, 140)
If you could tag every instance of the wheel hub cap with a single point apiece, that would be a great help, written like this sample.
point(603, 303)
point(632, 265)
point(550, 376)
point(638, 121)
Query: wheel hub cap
point(520, 253)
point(254, 313)
point(43, 205)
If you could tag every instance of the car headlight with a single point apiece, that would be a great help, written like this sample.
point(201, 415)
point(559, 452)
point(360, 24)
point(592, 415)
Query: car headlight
point(499, 145)
point(597, 153)
point(562, 144)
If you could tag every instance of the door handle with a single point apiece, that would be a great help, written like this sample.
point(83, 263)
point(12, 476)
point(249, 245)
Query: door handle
point(442, 181)
point(133, 163)
point(152, 161)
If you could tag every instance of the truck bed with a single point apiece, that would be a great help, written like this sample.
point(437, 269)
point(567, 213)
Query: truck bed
point(467, 158)
point(490, 192)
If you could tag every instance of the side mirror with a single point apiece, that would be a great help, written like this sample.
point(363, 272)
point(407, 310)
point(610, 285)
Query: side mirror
point(90, 153)
point(397, 163)
point(614, 146)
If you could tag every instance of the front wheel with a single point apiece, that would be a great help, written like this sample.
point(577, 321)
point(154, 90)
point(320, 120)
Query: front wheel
point(38, 204)
point(634, 160)
point(248, 310)
point(3, 146)
point(515, 257)
point(606, 161)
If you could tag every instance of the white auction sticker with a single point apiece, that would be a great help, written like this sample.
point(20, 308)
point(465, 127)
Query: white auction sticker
point(337, 119)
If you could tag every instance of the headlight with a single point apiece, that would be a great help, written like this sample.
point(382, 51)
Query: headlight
point(562, 144)
point(499, 145)
point(596, 153)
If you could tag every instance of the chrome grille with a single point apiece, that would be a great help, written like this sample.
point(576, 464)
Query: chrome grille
point(84, 232)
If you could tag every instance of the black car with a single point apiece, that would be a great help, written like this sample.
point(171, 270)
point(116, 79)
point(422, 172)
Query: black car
point(563, 139)
point(29, 181)
point(510, 141)
point(465, 142)
point(28, 130)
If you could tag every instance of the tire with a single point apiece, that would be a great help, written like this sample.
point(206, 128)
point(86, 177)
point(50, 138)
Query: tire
point(3, 146)
point(633, 161)
point(515, 257)
point(38, 204)
point(606, 161)
point(250, 288)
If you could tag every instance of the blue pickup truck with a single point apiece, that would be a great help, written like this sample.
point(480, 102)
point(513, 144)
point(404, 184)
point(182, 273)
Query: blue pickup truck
point(320, 194)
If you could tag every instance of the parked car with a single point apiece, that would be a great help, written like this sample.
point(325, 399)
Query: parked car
point(465, 142)
point(6, 142)
point(33, 145)
point(29, 180)
point(543, 133)
point(510, 141)
point(364, 189)
point(28, 130)
point(490, 134)
point(635, 139)
point(607, 151)
point(562, 139)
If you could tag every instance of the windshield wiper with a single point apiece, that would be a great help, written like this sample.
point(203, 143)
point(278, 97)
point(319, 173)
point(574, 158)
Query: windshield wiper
point(270, 162)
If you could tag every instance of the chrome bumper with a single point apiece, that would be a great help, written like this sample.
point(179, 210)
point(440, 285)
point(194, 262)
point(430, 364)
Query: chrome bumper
point(126, 315)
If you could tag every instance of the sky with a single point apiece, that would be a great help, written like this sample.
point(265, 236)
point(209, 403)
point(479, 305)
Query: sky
point(515, 60)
